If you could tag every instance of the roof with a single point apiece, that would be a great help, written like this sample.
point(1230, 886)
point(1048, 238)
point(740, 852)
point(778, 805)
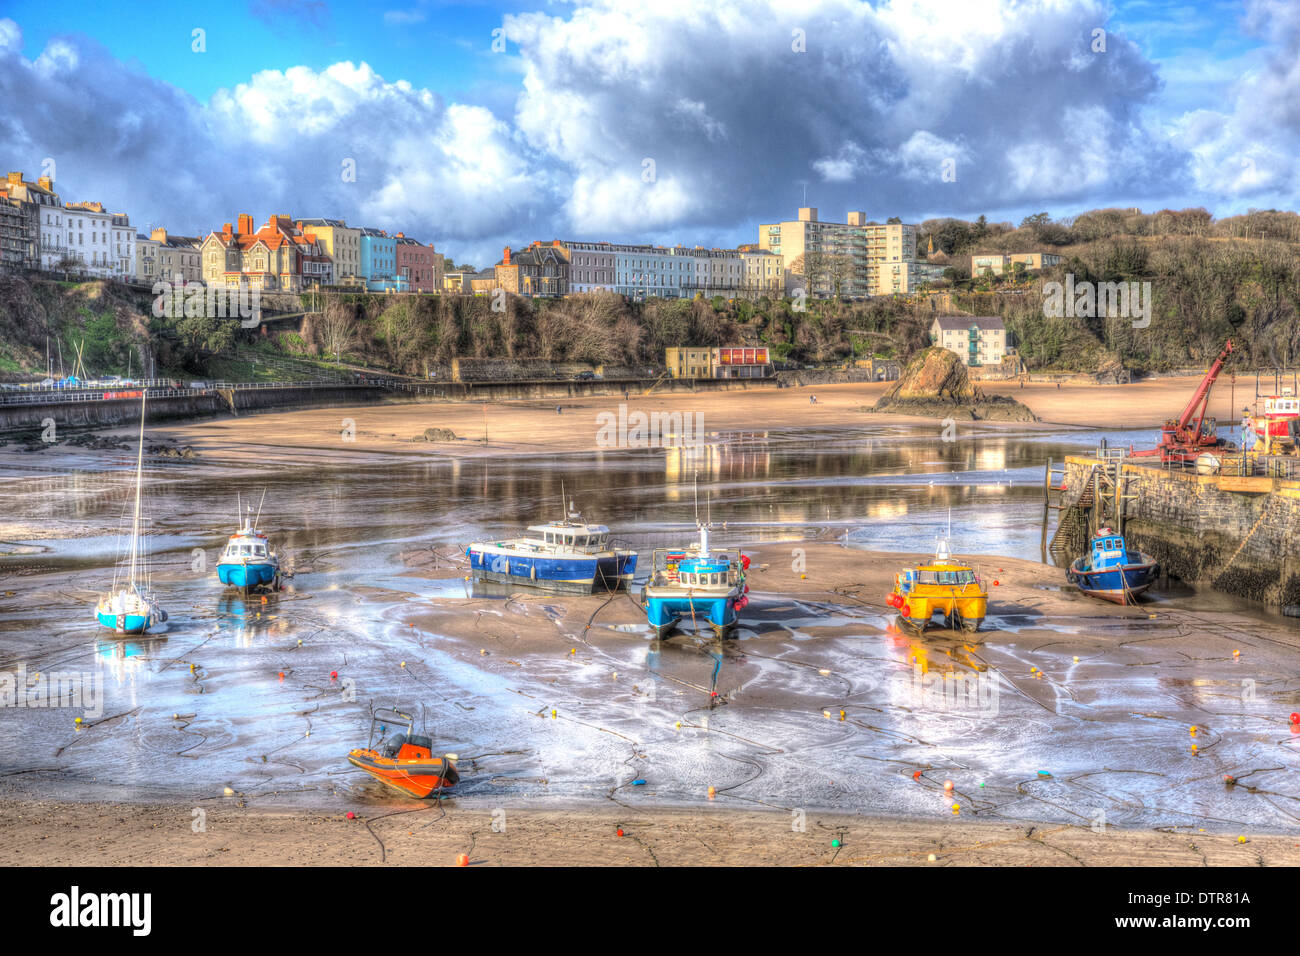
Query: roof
point(956, 323)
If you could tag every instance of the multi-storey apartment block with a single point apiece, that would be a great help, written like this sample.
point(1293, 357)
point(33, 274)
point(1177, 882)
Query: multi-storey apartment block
point(852, 258)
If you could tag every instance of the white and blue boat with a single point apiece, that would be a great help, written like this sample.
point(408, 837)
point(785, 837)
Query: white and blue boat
point(701, 584)
point(131, 608)
point(1112, 571)
point(569, 555)
point(248, 560)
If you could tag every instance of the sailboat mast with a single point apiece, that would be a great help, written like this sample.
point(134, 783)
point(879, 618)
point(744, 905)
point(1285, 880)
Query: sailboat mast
point(139, 470)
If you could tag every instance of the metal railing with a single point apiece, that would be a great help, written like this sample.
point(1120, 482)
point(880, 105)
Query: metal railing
point(52, 395)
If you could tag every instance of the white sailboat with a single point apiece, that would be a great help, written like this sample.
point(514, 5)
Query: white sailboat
point(131, 609)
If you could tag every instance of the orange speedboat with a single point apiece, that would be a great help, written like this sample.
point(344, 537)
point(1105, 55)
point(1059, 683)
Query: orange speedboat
point(405, 760)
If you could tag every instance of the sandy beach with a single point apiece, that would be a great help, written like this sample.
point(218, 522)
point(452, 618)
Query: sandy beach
point(61, 834)
point(394, 430)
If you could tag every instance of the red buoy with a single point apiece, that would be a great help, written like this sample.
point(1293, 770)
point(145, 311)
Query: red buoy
point(334, 675)
point(620, 831)
point(351, 815)
point(907, 610)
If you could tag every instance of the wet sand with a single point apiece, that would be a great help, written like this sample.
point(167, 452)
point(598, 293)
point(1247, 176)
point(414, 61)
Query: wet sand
point(393, 431)
point(62, 834)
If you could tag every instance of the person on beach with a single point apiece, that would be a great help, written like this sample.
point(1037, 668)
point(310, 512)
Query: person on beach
point(812, 399)
point(1247, 431)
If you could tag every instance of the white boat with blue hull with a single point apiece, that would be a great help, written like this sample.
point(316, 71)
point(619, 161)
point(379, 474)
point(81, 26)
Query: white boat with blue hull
point(569, 555)
point(131, 608)
point(248, 561)
point(699, 584)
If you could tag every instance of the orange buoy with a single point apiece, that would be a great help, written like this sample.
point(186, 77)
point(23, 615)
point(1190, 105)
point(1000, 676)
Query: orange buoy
point(620, 831)
point(462, 860)
point(712, 793)
point(947, 785)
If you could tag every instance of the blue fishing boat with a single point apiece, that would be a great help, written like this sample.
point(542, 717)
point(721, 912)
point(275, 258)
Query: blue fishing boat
point(1111, 570)
point(569, 555)
point(700, 584)
point(248, 560)
point(131, 608)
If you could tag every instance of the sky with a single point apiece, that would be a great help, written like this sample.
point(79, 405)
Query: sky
point(475, 125)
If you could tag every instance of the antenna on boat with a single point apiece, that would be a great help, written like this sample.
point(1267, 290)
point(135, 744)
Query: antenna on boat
point(258, 519)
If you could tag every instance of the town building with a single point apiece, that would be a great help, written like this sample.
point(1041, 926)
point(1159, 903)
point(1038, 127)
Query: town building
point(740, 362)
point(277, 257)
point(458, 283)
point(343, 243)
point(178, 256)
point(977, 339)
point(44, 213)
point(540, 270)
point(418, 264)
point(689, 362)
point(726, 362)
point(997, 264)
point(102, 243)
point(591, 265)
point(18, 232)
point(483, 282)
point(147, 266)
point(764, 272)
point(379, 262)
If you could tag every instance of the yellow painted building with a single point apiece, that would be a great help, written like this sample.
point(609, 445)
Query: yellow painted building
point(689, 362)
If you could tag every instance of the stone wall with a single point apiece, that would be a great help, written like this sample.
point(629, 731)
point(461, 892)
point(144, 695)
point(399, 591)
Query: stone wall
point(1242, 543)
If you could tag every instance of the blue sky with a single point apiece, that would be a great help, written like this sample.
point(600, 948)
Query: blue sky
point(1188, 105)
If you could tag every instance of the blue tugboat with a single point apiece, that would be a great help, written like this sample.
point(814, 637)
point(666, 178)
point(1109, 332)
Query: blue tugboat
point(569, 555)
point(698, 584)
point(1110, 570)
point(248, 561)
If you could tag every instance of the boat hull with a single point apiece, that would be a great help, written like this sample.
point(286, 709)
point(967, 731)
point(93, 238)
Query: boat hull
point(420, 777)
point(125, 623)
point(666, 612)
point(578, 575)
point(1121, 584)
point(247, 575)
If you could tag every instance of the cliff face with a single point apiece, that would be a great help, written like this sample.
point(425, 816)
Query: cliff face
point(936, 384)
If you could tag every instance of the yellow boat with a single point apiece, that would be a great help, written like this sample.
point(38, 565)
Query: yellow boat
point(943, 585)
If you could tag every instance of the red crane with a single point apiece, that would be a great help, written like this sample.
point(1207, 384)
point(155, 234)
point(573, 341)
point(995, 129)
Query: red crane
point(1183, 440)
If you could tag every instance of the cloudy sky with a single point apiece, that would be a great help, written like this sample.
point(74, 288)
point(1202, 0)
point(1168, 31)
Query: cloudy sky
point(477, 124)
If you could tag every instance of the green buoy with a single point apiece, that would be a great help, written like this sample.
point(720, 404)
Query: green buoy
point(835, 844)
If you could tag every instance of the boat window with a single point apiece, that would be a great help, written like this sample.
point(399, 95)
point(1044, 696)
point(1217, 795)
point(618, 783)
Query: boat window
point(713, 578)
point(925, 577)
point(243, 549)
point(260, 550)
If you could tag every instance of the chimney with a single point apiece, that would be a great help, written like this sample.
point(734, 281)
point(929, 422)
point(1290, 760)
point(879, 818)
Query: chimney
point(245, 223)
point(158, 235)
point(45, 182)
point(505, 255)
point(225, 228)
point(15, 179)
point(401, 235)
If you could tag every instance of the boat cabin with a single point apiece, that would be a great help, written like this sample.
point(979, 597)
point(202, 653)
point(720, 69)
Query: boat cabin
point(1108, 548)
point(247, 547)
point(568, 536)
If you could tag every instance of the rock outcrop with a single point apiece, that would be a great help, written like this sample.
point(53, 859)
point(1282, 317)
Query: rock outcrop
point(935, 384)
